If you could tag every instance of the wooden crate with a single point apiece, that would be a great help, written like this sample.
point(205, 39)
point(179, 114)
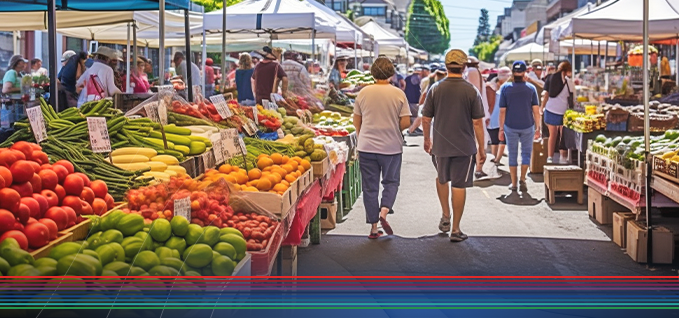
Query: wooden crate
point(563, 178)
point(620, 220)
point(321, 168)
point(328, 212)
point(637, 238)
point(45, 250)
point(601, 208)
point(538, 158)
point(78, 231)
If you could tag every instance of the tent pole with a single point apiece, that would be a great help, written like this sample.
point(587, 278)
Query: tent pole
point(598, 56)
point(313, 49)
point(647, 143)
point(15, 40)
point(189, 63)
point(203, 58)
point(127, 58)
point(52, 45)
point(676, 62)
point(161, 42)
point(222, 82)
point(135, 55)
point(355, 51)
point(606, 55)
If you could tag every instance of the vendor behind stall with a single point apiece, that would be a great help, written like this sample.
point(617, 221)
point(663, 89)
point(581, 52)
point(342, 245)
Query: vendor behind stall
point(138, 79)
point(11, 82)
point(180, 66)
point(338, 71)
point(36, 68)
point(298, 76)
point(265, 76)
point(209, 77)
point(102, 73)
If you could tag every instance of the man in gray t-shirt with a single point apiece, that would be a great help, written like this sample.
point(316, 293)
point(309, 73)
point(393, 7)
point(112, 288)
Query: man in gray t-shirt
point(458, 131)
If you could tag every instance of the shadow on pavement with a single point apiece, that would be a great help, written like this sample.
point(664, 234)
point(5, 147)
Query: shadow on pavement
point(519, 198)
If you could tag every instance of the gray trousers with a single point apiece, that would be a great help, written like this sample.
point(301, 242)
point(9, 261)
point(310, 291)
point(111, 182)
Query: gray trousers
point(372, 166)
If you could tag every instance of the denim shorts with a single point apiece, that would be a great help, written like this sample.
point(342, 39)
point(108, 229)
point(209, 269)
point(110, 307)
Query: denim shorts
point(553, 119)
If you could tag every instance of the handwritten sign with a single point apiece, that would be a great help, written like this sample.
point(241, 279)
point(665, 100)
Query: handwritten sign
point(99, 138)
point(250, 127)
point(37, 120)
point(217, 148)
point(208, 160)
point(221, 106)
point(183, 207)
point(162, 111)
point(151, 110)
point(255, 115)
point(233, 143)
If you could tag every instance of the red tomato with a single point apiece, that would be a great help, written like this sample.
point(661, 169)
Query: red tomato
point(17, 235)
point(36, 183)
point(18, 154)
point(6, 175)
point(51, 226)
point(61, 193)
point(51, 197)
point(38, 234)
point(85, 208)
point(22, 171)
point(100, 188)
point(59, 216)
point(44, 205)
point(88, 195)
point(61, 172)
point(7, 220)
point(74, 184)
point(66, 164)
point(25, 189)
point(33, 206)
point(40, 157)
point(48, 178)
point(72, 217)
point(10, 199)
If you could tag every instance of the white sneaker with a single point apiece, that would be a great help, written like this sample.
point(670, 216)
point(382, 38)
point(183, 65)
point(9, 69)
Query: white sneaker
point(563, 161)
point(550, 160)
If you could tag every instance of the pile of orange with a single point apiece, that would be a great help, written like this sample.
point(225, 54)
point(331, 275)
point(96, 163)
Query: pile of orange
point(273, 174)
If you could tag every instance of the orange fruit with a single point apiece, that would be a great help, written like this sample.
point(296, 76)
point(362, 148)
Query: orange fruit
point(231, 179)
point(276, 178)
point(306, 165)
point(250, 189)
point(254, 174)
point(263, 155)
point(298, 174)
point(225, 168)
point(277, 158)
point(285, 159)
point(264, 184)
point(298, 159)
point(235, 169)
point(211, 172)
point(301, 169)
point(237, 187)
point(290, 178)
point(267, 169)
point(280, 187)
point(241, 178)
point(294, 164)
point(285, 182)
point(287, 168)
point(264, 162)
point(253, 183)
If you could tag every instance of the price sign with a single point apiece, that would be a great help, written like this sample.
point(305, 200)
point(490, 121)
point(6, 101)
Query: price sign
point(280, 133)
point(162, 113)
point(208, 159)
point(243, 149)
point(273, 106)
point(229, 139)
point(99, 139)
point(152, 111)
point(183, 207)
point(250, 127)
point(255, 114)
point(221, 105)
point(37, 120)
point(217, 148)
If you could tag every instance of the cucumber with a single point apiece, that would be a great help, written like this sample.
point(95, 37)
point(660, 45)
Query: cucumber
point(176, 139)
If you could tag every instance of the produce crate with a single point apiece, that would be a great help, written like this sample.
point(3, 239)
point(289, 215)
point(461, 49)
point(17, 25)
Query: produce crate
point(637, 240)
point(262, 261)
point(190, 165)
point(45, 250)
point(665, 166)
point(321, 168)
point(351, 185)
point(274, 203)
point(78, 232)
point(303, 182)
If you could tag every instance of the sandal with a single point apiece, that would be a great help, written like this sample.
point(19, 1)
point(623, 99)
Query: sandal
point(374, 236)
point(458, 237)
point(444, 225)
point(386, 226)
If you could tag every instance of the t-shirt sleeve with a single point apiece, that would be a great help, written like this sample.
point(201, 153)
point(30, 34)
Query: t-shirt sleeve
point(9, 77)
point(359, 103)
point(428, 109)
point(545, 87)
point(405, 106)
point(281, 72)
point(534, 99)
point(477, 107)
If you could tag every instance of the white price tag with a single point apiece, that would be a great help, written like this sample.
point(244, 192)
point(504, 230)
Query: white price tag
point(99, 139)
point(152, 111)
point(221, 105)
point(162, 111)
point(183, 207)
point(243, 148)
point(250, 127)
point(37, 120)
point(255, 114)
point(280, 133)
point(208, 160)
point(217, 148)
point(230, 139)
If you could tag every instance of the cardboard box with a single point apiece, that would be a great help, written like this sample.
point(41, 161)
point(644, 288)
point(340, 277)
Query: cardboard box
point(289, 252)
point(289, 267)
point(328, 215)
point(620, 220)
point(320, 168)
point(538, 158)
point(274, 203)
point(601, 207)
point(663, 243)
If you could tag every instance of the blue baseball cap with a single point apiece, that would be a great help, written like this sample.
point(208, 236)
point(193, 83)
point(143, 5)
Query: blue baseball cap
point(519, 66)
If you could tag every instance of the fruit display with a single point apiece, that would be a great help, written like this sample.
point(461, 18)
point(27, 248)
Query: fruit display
point(273, 173)
point(292, 103)
point(38, 199)
point(268, 120)
point(358, 78)
point(292, 125)
point(256, 147)
point(329, 123)
point(584, 123)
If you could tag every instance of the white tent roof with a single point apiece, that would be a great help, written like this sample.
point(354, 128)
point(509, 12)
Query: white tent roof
point(382, 36)
point(565, 22)
point(527, 52)
point(622, 20)
point(286, 18)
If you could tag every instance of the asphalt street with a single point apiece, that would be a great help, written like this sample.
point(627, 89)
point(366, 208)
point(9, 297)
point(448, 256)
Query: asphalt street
point(509, 234)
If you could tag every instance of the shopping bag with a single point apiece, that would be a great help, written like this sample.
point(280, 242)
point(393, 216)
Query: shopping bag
point(95, 89)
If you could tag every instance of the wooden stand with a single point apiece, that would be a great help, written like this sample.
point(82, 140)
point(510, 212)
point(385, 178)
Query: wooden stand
point(288, 261)
point(601, 208)
point(563, 178)
point(538, 158)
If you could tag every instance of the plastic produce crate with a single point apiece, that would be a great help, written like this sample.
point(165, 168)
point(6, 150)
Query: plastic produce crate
point(262, 261)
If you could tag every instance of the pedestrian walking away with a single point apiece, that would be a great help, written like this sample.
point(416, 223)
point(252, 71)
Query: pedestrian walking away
point(519, 122)
point(473, 75)
point(381, 112)
point(497, 146)
point(558, 98)
point(457, 137)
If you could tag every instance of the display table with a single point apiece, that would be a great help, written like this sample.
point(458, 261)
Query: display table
point(306, 210)
point(574, 140)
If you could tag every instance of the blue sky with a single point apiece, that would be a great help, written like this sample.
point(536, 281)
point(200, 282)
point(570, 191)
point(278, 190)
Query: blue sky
point(464, 15)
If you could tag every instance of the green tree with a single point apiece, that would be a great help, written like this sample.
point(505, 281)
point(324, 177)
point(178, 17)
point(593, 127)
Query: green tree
point(483, 31)
point(427, 26)
point(212, 5)
point(485, 51)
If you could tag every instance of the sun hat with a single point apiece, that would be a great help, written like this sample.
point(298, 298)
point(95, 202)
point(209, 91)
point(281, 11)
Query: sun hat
point(536, 64)
point(504, 72)
point(456, 57)
point(109, 53)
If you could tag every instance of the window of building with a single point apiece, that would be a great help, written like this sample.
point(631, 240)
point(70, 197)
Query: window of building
point(6, 50)
point(74, 44)
point(374, 11)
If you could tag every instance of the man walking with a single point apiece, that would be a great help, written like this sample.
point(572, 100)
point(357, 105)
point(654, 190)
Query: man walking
point(458, 136)
point(413, 94)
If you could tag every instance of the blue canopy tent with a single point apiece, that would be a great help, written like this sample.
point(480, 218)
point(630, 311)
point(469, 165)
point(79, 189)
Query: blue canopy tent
point(50, 6)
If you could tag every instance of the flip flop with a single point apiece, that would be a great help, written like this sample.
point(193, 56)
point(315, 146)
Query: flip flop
point(374, 236)
point(386, 226)
point(458, 237)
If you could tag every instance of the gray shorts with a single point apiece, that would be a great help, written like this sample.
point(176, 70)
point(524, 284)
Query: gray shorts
point(459, 171)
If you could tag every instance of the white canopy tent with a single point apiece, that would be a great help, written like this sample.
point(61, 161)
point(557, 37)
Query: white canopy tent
point(527, 52)
point(550, 32)
point(387, 43)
